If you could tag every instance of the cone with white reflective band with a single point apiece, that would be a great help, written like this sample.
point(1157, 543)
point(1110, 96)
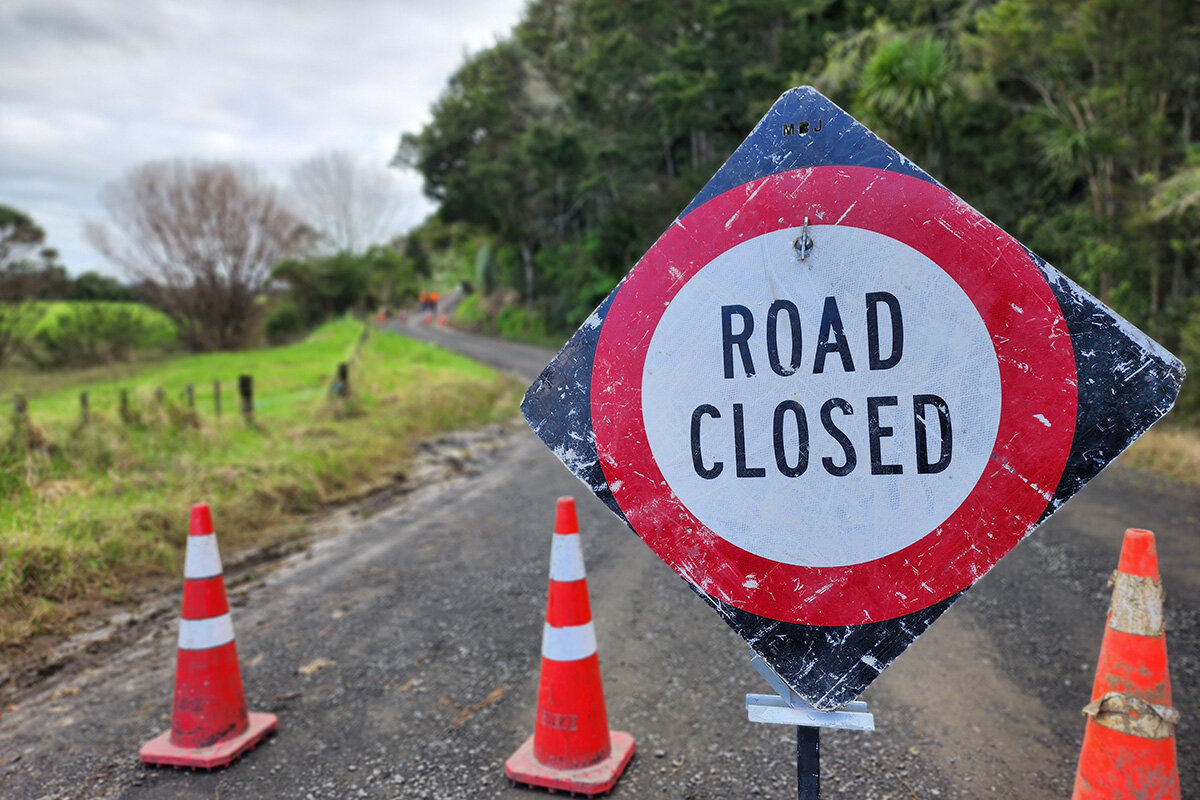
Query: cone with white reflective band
point(1129, 743)
point(572, 748)
point(210, 726)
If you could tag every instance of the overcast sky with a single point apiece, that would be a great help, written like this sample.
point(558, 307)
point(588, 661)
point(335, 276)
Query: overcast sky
point(89, 88)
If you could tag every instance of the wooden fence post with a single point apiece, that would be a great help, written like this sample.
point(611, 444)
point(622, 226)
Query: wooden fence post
point(85, 411)
point(190, 392)
point(342, 387)
point(246, 390)
point(20, 410)
point(217, 398)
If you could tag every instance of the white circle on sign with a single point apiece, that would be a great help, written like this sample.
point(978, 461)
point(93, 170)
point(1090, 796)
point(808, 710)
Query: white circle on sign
point(842, 509)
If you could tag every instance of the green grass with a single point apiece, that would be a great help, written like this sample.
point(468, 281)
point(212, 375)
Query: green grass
point(90, 511)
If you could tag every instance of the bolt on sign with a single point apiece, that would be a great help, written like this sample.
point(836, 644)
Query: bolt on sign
point(833, 395)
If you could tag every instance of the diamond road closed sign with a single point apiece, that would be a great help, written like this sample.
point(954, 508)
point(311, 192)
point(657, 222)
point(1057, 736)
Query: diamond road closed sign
point(832, 396)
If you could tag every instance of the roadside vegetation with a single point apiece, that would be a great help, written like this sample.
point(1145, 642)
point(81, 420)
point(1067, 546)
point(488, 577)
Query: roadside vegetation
point(51, 334)
point(501, 314)
point(1168, 451)
point(91, 510)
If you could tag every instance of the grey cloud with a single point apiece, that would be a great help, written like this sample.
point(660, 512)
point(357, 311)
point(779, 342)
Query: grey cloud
point(31, 25)
point(92, 88)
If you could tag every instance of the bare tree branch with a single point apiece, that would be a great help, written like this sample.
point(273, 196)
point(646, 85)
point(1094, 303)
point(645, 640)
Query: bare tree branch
point(202, 238)
point(350, 203)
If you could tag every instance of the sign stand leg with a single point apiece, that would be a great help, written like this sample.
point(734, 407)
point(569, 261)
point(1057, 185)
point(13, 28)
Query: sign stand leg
point(788, 708)
point(808, 762)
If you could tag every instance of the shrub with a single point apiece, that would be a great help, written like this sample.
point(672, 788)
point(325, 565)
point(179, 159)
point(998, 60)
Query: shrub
point(515, 322)
point(470, 313)
point(285, 323)
point(87, 333)
point(18, 320)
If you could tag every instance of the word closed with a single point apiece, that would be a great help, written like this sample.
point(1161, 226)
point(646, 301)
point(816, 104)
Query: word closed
point(789, 427)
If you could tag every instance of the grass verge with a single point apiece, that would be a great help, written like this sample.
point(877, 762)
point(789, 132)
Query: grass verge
point(1169, 452)
point(89, 511)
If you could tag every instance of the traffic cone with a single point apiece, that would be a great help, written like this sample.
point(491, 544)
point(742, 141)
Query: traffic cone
point(572, 748)
point(1129, 743)
point(210, 726)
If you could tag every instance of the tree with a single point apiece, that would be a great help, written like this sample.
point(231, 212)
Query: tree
point(474, 155)
point(349, 203)
point(92, 285)
point(201, 238)
point(19, 235)
point(22, 281)
point(23, 278)
point(904, 88)
point(1101, 81)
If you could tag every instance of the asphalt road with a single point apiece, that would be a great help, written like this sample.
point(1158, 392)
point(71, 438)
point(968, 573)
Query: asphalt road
point(400, 651)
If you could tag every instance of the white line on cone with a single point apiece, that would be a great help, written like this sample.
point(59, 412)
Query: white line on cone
point(203, 559)
point(566, 558)
point(205, 634)
point(571, 643)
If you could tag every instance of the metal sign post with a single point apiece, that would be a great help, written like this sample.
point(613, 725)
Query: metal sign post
point(788, 708)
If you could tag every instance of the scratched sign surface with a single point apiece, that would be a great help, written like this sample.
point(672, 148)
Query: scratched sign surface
point(833, 395)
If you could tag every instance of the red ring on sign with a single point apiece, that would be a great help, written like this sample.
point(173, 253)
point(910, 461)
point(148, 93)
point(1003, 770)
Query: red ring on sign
point(1037, 377)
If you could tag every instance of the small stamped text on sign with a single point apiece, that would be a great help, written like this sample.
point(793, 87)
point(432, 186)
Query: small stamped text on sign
point(833, 395)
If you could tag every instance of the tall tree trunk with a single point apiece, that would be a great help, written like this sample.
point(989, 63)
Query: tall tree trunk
point(1155, 290)
point(527, 257)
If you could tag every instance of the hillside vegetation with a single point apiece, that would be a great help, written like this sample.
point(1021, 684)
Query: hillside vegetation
point(559, 154)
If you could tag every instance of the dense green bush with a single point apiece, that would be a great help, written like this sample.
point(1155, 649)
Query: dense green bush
point(284, 323)
point(325, 287)
point(503, 314)
point(101, 332)
point(515, 322)
point(94, 286)
point(470, 314)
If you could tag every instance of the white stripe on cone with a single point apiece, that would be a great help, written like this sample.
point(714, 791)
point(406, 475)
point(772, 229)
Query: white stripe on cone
point(203, 559)
point(570, 643)
point(566, 558)
point(205, 634)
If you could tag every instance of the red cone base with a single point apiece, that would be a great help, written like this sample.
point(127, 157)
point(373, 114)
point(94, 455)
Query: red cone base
point(159, 750)
point(598, 778)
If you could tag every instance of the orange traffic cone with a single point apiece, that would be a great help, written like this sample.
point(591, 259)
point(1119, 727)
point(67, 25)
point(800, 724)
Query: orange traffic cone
point(572, 748)
point(1129, 743)
point(210, 726)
